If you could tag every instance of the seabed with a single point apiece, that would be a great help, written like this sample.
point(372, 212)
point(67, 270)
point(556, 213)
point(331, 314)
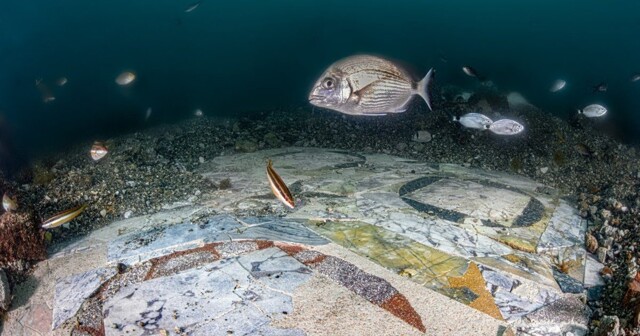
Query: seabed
point(377, 245)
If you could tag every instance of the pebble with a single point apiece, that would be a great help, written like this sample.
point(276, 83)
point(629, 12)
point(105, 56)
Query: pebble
point(544, 170)
point(601, 253)
point(128, 214)
point(201, 159)
point(591, 243)
point(103, 213)
point(422, 136)
point(401, 146)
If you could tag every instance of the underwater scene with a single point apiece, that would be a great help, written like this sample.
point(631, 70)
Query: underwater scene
point(330, 167)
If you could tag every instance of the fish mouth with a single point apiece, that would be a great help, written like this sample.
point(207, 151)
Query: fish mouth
point(315, 99)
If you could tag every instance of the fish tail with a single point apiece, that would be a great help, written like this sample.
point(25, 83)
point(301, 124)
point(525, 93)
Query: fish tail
point(423, 88)
point(455, 118)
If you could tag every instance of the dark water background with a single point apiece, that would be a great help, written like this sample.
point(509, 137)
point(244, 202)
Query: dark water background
point(231, 57)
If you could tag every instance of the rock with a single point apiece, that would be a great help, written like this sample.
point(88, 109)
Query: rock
point(422, 136)
point(631, 299)
point(401, 146)
point(544, 170)
point(591, 243)
point(201, 159)
point(128, 214)
point(609, 326)
point(272, 140)
point(103, 213)
point(602, 254)
point(606, 214)
point(5, 293)
point(246, 146)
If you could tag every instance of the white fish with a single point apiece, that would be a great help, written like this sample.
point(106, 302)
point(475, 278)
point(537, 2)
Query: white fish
point(558, 85)
point(506, 127)
point(192, 7)
point(198, 113)
point(125, 78)
point(635, 77)
point(9, 204)
point(368, 85)
point(474, 120)
point(147, 114)
point(470, 71)
point(98, 151)
point(593, 111)
point(62, 81)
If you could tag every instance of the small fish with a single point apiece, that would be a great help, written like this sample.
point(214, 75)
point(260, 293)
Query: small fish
point(45, 92)
point(125, 78)
point(506, 127)
point(474, 120)
point(63, 217)
point(192, 7)
point(147, 114)
point(278, 187)
point(593, 111)
point(9, 204)
point(198, 113)
point(558, 85)
point(583, 149)
point(98, 151)
point(368, 85)
point(601, 87)
point(62, 81)
point(635, 77)
point(471, 72)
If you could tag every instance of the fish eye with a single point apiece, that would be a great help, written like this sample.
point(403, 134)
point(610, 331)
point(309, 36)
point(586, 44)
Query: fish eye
point(328, 83)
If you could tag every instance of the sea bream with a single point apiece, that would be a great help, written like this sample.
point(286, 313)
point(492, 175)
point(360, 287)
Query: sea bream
point(593, 111)
point(506, 127)
point(368, 85)
point(474, 120)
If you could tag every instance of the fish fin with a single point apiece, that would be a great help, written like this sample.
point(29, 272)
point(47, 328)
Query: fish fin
point(456, 118)
point(423, 88)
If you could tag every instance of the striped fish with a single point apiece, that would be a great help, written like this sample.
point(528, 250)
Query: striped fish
point(278, 187)
point(63, 217)
point(368, 85)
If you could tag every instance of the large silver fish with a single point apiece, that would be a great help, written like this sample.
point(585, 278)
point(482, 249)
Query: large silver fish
point(368, 85)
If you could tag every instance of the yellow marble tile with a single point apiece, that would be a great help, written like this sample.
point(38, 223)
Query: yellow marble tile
point(474, 281)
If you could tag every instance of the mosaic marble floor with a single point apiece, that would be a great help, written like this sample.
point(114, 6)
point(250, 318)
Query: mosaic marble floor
point(421, 248)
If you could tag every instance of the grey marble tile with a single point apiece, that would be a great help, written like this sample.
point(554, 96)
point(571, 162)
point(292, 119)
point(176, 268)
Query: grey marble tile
point(565, 228)
point(220, 296)
point(71, 292)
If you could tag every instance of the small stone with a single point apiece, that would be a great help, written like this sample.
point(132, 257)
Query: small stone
point(606, 214)
point(601, 254)
point(591, 243)
point(103, 213)
point(544, 170)
point(5, 293)
point(401, 146)
point(128, 214)
point(201, 159)
point(609, 326)
point(422, 136)
point(246, 146)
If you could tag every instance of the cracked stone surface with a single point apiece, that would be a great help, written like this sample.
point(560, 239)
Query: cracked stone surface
point(388, 241)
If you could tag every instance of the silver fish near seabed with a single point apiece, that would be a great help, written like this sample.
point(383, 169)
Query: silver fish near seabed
point(558, 85)
point(474, 120)
point(635, 77)
point(147, 114)
point(125, 78)
point(470, 71)
point(98, 151)
point(506, 127)
point(198, 113)
point(593, 111)
point(601, 87)
point(9, 204)
point(62, 81)
point(368, 85)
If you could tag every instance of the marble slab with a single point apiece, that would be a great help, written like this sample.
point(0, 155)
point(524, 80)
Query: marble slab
point(71, 292)
point(221, 296)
